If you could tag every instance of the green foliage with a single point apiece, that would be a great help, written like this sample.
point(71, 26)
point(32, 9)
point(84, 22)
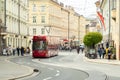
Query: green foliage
point(92, 38)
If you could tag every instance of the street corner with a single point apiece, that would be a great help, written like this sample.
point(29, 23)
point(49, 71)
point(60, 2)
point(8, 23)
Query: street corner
point(25, 71)
point(16, 70)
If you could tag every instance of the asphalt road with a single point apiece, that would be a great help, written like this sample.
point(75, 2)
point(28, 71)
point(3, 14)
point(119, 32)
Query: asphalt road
point(48, 72)
point(73, 60)
point(66, 67)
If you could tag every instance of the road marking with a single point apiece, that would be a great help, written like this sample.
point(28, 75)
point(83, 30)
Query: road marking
point(57, 74)
point(47, 78)
point(58, 71)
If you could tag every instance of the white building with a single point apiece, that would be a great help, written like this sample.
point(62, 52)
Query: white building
point(14, 16)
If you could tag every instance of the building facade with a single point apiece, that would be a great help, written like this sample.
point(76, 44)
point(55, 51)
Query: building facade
point(14, 15)
point(49, 17)
point(111, 13)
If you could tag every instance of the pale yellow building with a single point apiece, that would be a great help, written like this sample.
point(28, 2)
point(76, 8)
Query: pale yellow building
point(83, 27)
point(14, 16)
point(48, 17)
point(111, 13)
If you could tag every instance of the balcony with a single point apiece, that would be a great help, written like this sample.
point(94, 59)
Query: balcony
point(113, 14)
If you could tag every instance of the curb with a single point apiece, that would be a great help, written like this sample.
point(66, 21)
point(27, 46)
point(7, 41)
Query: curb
point(111, 62)
point(20, 76)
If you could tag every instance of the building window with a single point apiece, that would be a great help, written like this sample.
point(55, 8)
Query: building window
point(42, 31)
point(34, 31)
point(34, 19)
point(42, 8)
point(113, 4)
point(34, 7)
point(42, 19)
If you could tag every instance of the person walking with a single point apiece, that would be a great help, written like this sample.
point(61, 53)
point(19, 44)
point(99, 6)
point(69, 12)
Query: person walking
point(18, 51)
point(22, 51)
point(4, 51)
point(99, 52)
point(78, 49)
point(28, 50)
point(109, 53)
point(14, 49)
point(103, 52)
point(106, 52)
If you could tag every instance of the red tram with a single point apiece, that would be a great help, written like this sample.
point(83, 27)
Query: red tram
point(45, 46)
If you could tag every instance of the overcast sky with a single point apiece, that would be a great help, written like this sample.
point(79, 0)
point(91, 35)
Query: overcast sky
point(83, 7)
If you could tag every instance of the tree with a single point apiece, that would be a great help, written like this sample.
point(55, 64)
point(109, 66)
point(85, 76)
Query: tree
point(92, 38)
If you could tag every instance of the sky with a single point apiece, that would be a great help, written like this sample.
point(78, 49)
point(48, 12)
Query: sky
point(86, 8)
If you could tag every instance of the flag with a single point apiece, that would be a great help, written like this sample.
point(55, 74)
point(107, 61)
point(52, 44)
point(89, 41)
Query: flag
point(101, 19)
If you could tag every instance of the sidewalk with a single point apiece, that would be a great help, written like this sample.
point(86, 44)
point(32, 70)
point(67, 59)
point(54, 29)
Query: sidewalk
point(11, 71)
point(103, 61)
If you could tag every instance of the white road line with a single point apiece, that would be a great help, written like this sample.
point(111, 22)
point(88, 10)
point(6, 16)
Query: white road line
point(47, 78)
point(58, 71)
point(57, 74)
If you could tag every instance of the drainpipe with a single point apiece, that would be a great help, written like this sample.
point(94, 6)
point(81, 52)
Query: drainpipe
point(109, 23)
point(79, 29)
point(119, 34)
point(5, 13)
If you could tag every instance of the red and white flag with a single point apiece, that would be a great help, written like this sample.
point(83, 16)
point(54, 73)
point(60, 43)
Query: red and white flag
point(101, 19)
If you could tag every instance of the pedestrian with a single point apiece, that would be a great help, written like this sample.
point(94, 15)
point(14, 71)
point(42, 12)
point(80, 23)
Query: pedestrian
point(18, 51)
point(22, 51)
point(103, 52)
point(106, 54)
point(28, 50)
point(4, 51)
point(99, 52)
point(70, 48)
point(82, 49)
point(10, 50)
point(78, 49)
point(14, 50)
point(109, 53)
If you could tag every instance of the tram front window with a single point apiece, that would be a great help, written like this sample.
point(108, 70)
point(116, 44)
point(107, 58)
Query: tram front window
point(39, 45)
